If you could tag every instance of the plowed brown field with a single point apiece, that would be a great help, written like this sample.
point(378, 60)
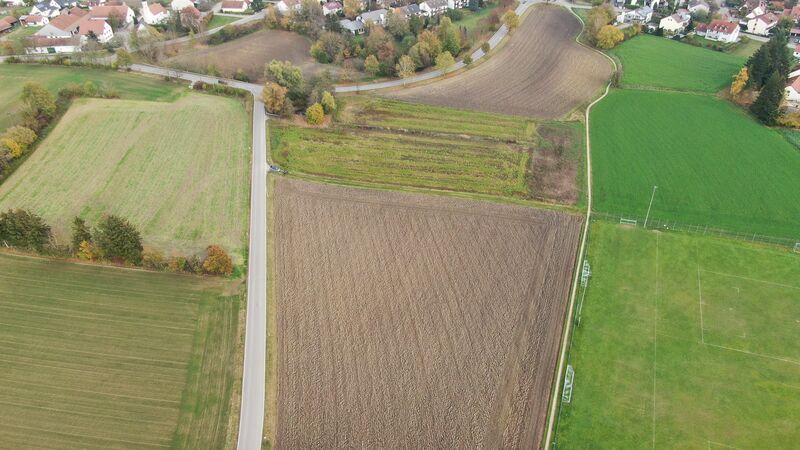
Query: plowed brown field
point(408, 321)
point(541, 72)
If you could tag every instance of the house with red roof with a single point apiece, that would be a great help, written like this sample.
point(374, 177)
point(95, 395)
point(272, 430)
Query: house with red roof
point(762, 24)
point(154, 14)
point(99, 29)
point(34, 21)
point(235, 6)
point(719, 30)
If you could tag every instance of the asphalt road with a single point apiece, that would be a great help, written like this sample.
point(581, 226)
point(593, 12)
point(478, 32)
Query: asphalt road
point(251, 419)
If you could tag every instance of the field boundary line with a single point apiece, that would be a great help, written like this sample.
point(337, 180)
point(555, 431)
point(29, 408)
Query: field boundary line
point(751, 279)
point(761, 355)
point(655, 342)
point(554, 400)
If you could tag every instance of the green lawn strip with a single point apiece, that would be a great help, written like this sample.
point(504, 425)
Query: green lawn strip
point(401, 159)
point(218, 21)
point(379, 112)
point(655, 62)
point(103, 357)
point(641, 358)
point(129, 86)
point(712, 163)
point(471, 20)
point(179, 171)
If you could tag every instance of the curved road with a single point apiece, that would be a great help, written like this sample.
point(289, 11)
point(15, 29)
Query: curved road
point(251, 419)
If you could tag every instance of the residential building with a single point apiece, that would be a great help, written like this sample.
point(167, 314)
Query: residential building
point(430, 8)
point(377, 17)
point(15, 2)
point(719, 30)
point(123, 13)
point(235, 6)
point(763, 24)
point(34, 21)
point(5, 26)
point(154, 14)
point(698, 6)
point(793, 13)
point(44, 9)
point(408, 11)
point(796, 52)
point(331, 8)
point(639, 16)
point(36, 45)
point(792, 91)
point(353, 26)
point(675, 23)
point(100, 29)
point(179, 5)
point(285, 6)
point(63, 26)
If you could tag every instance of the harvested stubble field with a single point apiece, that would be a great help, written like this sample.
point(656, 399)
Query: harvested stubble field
point(250, 53)
point(95, 357)
point(381, 141)
point(541, 72)
point(179, 171)
point(415, 321)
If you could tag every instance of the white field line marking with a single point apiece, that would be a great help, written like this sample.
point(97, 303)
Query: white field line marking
point(655, 344)
point(761, 355)
point(700, 299)
point(721, 445)
point(752, 279)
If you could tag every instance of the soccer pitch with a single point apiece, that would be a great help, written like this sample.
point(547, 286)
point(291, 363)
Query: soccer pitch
point(685, 342)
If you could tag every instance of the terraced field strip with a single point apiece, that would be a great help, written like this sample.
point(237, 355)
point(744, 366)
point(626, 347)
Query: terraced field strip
point(415, 321)
point(179, 171)
point(129, 86)
point(94, 357)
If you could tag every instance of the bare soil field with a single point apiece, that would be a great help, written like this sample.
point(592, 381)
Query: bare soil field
point(408, 321)
point(250, 54)
point(541, 72)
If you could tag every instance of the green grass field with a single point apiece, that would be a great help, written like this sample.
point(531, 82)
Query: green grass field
point(179, 171)
point(713, 164)
point(654, 62)
point(398, 144)
point(95, 357)
point(685, 342)
point(218, 21)
point(129, 86)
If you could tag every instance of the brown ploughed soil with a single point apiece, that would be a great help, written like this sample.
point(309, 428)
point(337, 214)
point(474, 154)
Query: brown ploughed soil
point(540, 72)
point(411, 321)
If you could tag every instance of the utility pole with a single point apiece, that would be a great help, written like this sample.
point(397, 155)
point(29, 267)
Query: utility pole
point(652, 196)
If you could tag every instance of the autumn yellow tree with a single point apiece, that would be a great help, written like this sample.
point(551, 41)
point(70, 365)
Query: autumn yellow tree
point(274, 97)
point(739, 82)
point(609, 36)
point(510, 20)
point(17, 139)
point(315, 114)
point(328, 102)
point(218, 262)
point(405, 67)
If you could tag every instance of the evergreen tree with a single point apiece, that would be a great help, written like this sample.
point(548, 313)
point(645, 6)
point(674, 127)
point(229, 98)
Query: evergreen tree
point(767, 107)
point(80, 233)
point(759, 66)
point(118, 238)
point(23, 229)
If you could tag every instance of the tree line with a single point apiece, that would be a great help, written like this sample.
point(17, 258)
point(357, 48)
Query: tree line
point(113, 239)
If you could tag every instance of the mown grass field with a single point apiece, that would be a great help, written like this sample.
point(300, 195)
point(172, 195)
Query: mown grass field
point(218, 21)
point(655, 62)
point(395, 144)
point(179, 171)
point(95, 357)
point(685, 342)
point(712, 163)
point(129, 86)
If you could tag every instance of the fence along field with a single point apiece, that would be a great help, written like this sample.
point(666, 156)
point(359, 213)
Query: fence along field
point(392, 143)
point(95, 357)
point(179, 171)
point(540, 72)
point(415, 321)
point(685, 342)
